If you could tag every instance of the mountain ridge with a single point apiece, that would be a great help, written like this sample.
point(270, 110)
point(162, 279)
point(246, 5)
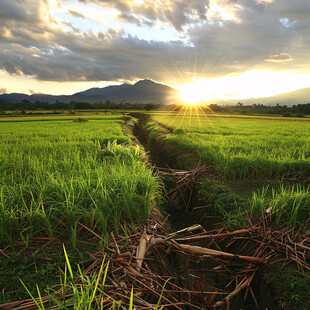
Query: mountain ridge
point(300, 96)
point(148, 91)
point(144, 91)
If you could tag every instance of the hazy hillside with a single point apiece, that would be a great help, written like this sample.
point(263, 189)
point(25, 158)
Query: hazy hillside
point(296, 97)
point(301, 96)
point(14, 98)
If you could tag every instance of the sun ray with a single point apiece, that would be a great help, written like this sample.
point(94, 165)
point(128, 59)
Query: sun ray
point(191, 94)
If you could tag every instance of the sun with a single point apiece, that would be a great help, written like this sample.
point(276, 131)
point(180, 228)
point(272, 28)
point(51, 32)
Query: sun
point(192, 94)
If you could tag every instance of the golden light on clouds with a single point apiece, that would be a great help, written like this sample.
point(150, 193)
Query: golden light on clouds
point(22, 84)
point(223, 13)
point(3, 90)
point(220, 48)
point(282, 57)
point(6, 33)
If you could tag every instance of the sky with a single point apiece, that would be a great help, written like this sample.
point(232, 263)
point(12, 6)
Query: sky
point(217, 48)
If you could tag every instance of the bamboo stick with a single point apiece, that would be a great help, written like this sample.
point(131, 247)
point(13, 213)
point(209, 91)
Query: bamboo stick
point(217, 236)
point(205, 251)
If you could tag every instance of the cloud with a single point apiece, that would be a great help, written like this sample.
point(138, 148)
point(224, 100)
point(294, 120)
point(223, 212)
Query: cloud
point(3, 91)
point(294, 10)
point(71, 26)
point(128, 18)
point(265, 1)
point(282, 57)
point(177, 13)
point(76, 14)
point(217, 37)
point(33, 92)
point(12, 10)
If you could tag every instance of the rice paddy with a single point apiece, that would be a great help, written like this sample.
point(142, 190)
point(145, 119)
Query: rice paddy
point(273, 152)
point(57, 172)
point(240, 147)
point(60, 173)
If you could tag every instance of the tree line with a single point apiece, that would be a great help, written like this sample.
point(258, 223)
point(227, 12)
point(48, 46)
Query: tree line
point(295, 110)
point(25, 105)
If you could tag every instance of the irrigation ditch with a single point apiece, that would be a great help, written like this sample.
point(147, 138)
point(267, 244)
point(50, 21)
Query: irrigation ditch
point(219, 267)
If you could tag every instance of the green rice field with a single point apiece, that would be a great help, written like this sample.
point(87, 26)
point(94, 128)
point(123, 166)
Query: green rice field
point(241, 147)
point(57, 171)
point(61, 173)
point(261, 163)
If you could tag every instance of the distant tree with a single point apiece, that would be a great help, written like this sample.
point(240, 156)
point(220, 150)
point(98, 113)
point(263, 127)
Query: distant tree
point(81, 105)
point(216, 108)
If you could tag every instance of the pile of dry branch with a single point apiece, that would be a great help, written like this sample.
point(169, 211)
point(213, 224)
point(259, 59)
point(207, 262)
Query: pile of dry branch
point(181, 196)
point(187, 269)
point(148, 268)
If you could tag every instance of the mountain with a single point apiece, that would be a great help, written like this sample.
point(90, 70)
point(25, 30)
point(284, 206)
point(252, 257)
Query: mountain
point(15, 98)
point(292, 98)
point(96, 91)
point(144, 91)
point(147, 91)
point(301, 96)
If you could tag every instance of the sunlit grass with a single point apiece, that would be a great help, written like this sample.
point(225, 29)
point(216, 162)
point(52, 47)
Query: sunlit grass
point(76, 292)
point(288, 205)
point(52, 171)
point(240, 148)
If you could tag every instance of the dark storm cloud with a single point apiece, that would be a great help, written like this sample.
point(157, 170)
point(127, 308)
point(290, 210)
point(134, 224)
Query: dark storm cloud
point(33, 43)
point(54, 65)
point(12, 10)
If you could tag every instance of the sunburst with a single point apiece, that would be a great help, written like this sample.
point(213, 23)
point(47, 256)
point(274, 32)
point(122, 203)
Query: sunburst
point(192, 94)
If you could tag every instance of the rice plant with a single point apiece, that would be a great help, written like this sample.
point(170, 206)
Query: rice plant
point(55, 170)
point(286, 206)
point(240, 148)
point(76, 292)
